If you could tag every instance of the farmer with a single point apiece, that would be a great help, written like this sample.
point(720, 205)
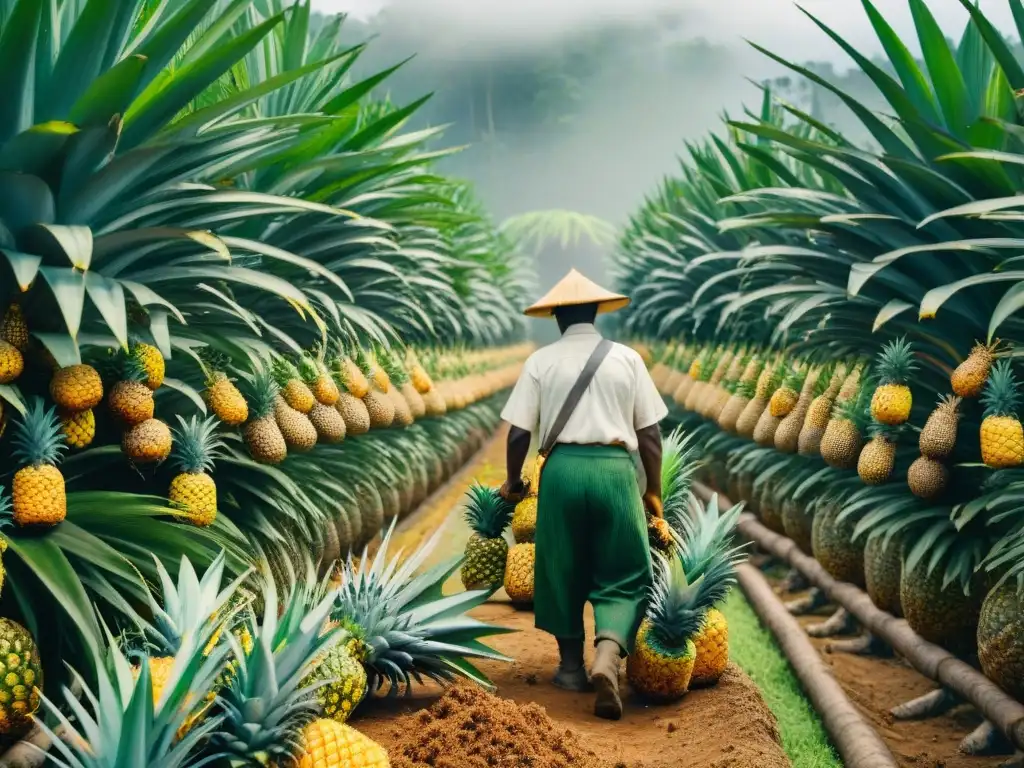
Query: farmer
point(589, 402)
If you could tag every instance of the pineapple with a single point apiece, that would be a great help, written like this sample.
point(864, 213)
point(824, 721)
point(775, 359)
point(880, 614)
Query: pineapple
point(329, 744)
point(970, 376)
point(38, 489)
point(403, 412)
point(661, 665)
point(435, 403)
point(76, 388)
point(192, 489)
point(519, 568)
point(380, 407)
point(818, 413)
point(152, 363)
point(417, 405)
point(927, 478)
point(130, 400)
point(942, 613)
point(833, 544)
point(13, 329)
point(706, 543)
point(329, 424)
point(354, 413)
point(147, 443)
point(294, 389)
point(524, 520)
point(878, 458)
point(842, 442)
point(21, 679)
point(316, 376)
point(1002, 437)
point(883, 564)
point(347, 371)
point(787, 436)
point(938, 437)
point(79, 428)
point(341, 672)
point(262, 436)
point(12, 362)
point(418, 375)
point(1001, 638)
point(766, 385)
point(784, 399)
point(298, 431)
point(374, 372)
point(744, 393)
point(225, 400)
point(6, 518)
point(488, 515)
point(892, 399)
point(371, 512)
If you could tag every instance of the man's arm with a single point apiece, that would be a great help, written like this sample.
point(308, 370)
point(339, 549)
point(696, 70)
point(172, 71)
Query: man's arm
point(516, 449)
point(650, 456)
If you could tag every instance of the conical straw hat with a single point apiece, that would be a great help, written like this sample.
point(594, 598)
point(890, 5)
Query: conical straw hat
point(575, 289)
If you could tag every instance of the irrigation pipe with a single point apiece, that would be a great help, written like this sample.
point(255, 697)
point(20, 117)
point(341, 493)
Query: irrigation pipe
point(932, 661)
point(858, 743)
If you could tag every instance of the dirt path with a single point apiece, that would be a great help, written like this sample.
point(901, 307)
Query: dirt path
point(876, 685)
point(728, 726)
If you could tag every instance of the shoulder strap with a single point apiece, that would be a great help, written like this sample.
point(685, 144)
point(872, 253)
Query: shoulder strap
point(575, 394)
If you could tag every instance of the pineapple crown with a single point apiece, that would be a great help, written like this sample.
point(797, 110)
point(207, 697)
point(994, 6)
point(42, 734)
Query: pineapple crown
point(708, 534)
point(307, 368)
point(487, 513)
point(896, 362)
point(263, 390)
point(857, 408)
point(39, 438)
point(196, 444)
point(1001, 396)
point(795, 378)
point(951, 404)
point(680, 461)
point(393, 368)
point(889, 432)
point(127, 365)
point(284, 371)
point(411, 628)
point(213, 359)
point(825, 375)
point(265, 706)
point(678, 607)
point(709, 364)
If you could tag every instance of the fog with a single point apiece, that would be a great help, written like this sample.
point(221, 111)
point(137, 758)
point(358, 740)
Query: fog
point(643, 77)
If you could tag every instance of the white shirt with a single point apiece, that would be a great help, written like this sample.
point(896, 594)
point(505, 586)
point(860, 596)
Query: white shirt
point(620, 401)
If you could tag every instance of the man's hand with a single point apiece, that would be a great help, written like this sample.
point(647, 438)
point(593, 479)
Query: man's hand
point(652, 504)
point(513, 491)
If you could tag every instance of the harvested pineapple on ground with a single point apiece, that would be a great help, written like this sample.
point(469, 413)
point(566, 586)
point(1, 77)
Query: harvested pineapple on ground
point(488, 515)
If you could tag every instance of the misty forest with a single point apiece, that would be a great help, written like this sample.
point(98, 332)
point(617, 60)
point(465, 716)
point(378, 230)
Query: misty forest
point(286, 297)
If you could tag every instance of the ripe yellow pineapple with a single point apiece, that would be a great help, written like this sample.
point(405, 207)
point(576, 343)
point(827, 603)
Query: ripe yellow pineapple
point(21, 678)
point(38, 488)
point(13, 328)
point(842, 442)
point(354, 413)
point(969, 378)
point(938, 437)
point(294, 390)
point(192, 489)
point(329, 744)
point(318, 379)
point(79, 428)
point(1002, 436)
point(417, 406)
point(524, 520)
point(341, 669)
point(152, 363)
point(519, 573)
point(298, 431)
point(130, 399)
point(380, 407)
point(225, 400)
point(927, 478)
point(353, 379)
point(712, 649)
point(76, 387)
point(12, 362)
point(818, 413)
point(488, 515)
point(418, 374)
point(147, 443)
point(262, 436)
point(877, 459)
point(892, 399)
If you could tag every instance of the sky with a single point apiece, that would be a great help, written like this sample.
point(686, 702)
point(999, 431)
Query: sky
point(776, 24)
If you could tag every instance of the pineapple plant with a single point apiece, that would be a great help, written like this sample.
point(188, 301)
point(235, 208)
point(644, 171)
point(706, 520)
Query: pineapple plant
point(147, 443)
point(296, 428)
point(892, 400)
point(152, 363)
point(38, 490)
point(488, 515)
point(76, 388)
point(130, 399)
point(262, 436)
point(294, 389)
point(12, 362)
point(946, 614)
point(661, 666)
point(1001, 637)
point(743, 394)
point(79, 428)
point(13, 329)
point(970, 377)
point(1002, 436)
point(707, 541)
point(785, 398)
point(938, 436)
point(833, 544)
point(193, 490)
point(380, 407)
point(371, 511)
point(883, 566)
point(21, 679)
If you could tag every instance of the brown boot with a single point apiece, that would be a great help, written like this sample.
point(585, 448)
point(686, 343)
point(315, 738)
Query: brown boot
point(605, 678)
point(571, 675)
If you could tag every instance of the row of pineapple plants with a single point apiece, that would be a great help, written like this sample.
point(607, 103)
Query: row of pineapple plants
point(241, 316)
point(827, 316)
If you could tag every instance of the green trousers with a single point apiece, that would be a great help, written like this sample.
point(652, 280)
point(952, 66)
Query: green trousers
point(591, 544)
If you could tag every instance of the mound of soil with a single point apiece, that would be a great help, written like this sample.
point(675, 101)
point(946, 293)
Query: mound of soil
point(469, 728)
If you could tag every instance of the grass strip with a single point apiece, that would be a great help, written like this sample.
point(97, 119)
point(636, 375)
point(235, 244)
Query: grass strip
point(754, 650)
